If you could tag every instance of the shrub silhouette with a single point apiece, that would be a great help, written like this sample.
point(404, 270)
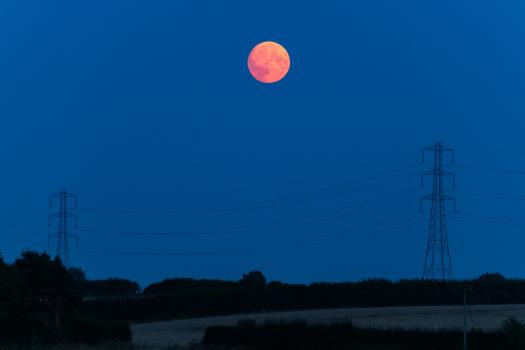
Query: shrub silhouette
point(514, 331)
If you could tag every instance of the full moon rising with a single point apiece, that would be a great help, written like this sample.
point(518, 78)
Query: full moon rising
point(268, 62)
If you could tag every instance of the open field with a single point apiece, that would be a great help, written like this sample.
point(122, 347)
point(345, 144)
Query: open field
point(183, 332)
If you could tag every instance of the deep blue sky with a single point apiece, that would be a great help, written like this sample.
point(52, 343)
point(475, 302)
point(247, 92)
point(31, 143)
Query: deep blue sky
point(148, 105)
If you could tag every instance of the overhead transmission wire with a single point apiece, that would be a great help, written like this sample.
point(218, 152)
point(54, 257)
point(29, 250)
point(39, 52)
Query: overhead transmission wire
point(268, 203)
point(24, 218)
point(236, 251)
point(295, 243)
point(392, 219)
point(487, 169)
point(290, 199)
point(488, 194)
point(458, 215)
point(302, 220)
point(276, 203)
point(15, 237)
point(489, 219)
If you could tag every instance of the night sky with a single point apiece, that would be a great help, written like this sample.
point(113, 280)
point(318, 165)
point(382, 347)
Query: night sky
point(186, 166)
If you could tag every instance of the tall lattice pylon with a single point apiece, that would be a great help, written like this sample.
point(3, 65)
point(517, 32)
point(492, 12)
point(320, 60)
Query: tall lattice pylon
point(438, 265)
point(66, 201)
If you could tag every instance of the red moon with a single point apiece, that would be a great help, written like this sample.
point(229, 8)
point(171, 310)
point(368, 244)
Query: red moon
point(268, 62)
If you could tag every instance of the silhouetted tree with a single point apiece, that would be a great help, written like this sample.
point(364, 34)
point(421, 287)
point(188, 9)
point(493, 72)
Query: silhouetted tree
point(44, 289)
point(40, 301)
point(111, 287)
point(176, 285)
point(78, 274)
point(253, 279)
point(492, 277)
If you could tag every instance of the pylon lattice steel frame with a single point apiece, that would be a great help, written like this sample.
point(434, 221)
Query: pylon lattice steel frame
point(438, 264)
point(64, 226)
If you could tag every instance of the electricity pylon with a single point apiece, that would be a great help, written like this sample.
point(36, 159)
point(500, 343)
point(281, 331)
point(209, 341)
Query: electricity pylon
point(64, 226)
point(438, 265)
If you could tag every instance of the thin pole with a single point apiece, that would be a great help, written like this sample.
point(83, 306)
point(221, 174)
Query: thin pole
point(465, 319)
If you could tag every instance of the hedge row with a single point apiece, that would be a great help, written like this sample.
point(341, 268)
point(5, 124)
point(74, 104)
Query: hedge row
point(345, 336)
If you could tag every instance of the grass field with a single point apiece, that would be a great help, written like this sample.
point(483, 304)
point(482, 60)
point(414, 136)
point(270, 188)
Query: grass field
point(184, 332)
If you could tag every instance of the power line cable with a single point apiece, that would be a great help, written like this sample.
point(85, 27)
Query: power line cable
point(236, 251)
point(15, 238)
point(269, 203)
point(310, 219)
point(487, 169)
point(24, 218)
point(488, 194)
point(489, 219)
point(330, 238)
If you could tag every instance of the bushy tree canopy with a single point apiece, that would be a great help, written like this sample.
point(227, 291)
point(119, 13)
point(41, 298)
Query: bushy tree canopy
point(253, 279)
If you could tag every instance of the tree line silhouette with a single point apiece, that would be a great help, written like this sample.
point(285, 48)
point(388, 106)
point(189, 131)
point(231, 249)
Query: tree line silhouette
point(40, 303)
point(187, 297)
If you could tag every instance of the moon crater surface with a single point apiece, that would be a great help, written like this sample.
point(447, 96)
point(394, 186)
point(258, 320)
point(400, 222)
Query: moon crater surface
point(269, 62)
